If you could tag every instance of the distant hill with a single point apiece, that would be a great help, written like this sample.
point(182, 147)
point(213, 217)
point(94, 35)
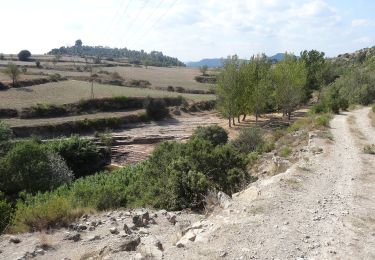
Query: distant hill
point(154, 58)
point(211, 63)
point(218, 62)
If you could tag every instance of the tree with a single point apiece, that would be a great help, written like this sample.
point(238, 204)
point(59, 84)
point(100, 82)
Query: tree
point(24, 55)
point(203, 69)
point(13, 72)
point(78, 43)
point(56, 58)
point(289, 77)
point(315, 64)
point(256, 80)
point(227, 86)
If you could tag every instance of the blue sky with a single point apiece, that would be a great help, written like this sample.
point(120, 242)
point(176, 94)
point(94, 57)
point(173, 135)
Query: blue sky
point(190, 29)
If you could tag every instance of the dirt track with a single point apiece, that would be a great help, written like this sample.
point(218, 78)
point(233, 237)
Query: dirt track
point(321, 208)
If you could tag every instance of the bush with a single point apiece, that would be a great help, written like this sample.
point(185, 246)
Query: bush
point(323, 120)
point(5, 214)
point(215, 134)
point(249, 140)
point(82, 156)
point(5, 132)
point(285, 151)
point(373, 108)
point(156, 108)
point(37, 64)
point(28, 166)
point(24, 55)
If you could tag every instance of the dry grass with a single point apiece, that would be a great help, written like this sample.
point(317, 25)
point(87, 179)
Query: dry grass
point(372, 117)
point(72, 91)
point(5, 78)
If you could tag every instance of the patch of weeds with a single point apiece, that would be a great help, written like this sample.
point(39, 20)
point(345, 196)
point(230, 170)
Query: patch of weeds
point(256, 210)
point(285, 151)
point(369, 149)
point(252, 158)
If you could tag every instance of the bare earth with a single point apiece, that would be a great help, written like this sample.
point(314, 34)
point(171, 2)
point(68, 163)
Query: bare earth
point(323, 207)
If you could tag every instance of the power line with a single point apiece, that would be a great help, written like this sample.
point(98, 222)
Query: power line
point(156, 21)
point(120, 15)
point(134, 20)
point(149, 17)
point(115, 18)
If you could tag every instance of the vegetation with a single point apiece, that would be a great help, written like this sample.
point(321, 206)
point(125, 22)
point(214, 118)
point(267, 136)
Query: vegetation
point(27, 166)
point(24, 55)
point(214, 134)
point(176, 176)
point(153, 58)
point(249, 140)
point(156, 108)
point(203, 69)
point(369, 149)
point(13, 72)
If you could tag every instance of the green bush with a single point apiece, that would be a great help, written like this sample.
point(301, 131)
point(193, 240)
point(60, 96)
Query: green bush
point(373, 108)
point(5, 132)
point(30, 167)
point(323, 120)
point(249, 140)
point(81, 155)
point(215, 134)
point(285, 151)
point(24, 55)
point(5, 214)
point(156, 109)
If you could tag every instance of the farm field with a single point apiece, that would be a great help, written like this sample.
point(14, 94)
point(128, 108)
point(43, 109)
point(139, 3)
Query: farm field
point(5, 78)
point(64, 92)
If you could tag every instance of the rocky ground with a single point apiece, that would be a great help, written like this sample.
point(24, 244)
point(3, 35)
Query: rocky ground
point(322, 207)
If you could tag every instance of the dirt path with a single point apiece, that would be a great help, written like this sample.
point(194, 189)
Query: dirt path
point(321, 208)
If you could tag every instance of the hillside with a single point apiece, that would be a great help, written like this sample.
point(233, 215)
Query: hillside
point(211, 63)
point(154, 58)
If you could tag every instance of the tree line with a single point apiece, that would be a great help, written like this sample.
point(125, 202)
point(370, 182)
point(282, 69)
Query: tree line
point(154, 58)
point(257, 86)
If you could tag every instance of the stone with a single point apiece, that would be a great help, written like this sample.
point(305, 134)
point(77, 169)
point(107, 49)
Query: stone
point(151, 248)
point(14, 240)
point(114, 230)
point(224, 200)
point(141, 219)
point(129, 243)
point(93, 238)
point(127, 229)
point(172, 218)
point(74, 237)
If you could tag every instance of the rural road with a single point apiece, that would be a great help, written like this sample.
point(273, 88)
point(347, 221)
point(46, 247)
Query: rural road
point(321, 208)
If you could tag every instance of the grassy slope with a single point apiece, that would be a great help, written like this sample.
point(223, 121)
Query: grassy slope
point(72, 91)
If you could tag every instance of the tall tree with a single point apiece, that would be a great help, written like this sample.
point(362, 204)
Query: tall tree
point(13, 72)
point(256, 80)
point(227, 87)
point(289, 77)
point(315, 65)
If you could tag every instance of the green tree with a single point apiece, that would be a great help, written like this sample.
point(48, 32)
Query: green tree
point(24, 55)
point(13, 72)
point(203, 69)
point(228, 85)
point(289, 78)
point(315, 65)
point(256, 80)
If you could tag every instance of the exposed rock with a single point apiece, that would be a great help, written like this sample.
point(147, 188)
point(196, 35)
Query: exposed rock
point(172, 218)
point(151, 248)
point(127, 229)
point(114, 230)
point(141, 219)
point(74, 237)
point(93, 238)
point(129, 243)
point(224, 200)
point(14, 240)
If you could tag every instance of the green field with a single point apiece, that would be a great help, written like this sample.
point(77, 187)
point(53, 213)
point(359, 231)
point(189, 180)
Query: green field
point(71, 91)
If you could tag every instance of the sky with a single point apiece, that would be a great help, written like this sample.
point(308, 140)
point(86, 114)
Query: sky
point(190, 29)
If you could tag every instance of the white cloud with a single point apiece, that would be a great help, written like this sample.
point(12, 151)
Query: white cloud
point(359, 22)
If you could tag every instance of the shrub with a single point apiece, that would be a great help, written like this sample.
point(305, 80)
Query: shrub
point(369, 149)
point(323, 120)
point(285, 151)
point(28, 166)
point(215, 134)
point(373, 108)
point(24, 55)
point(5, 132)
point(156, 108)
point(37, 64)
point(249, 140)
point(2, 56)
point(5, 214)
point(55, 77)
point(82, 156)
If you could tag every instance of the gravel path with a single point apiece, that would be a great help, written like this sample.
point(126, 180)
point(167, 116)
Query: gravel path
point(321, 208)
